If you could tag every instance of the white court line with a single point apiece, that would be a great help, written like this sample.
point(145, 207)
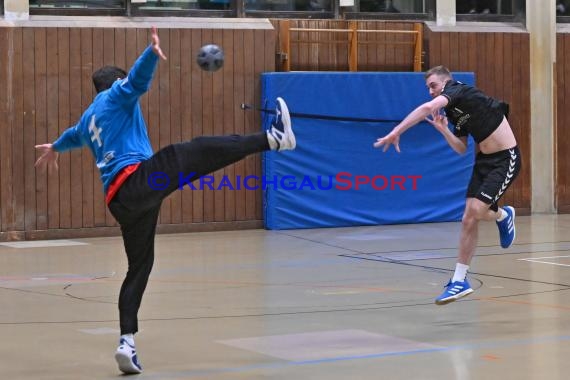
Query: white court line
point(539, 260)
point(42, 243)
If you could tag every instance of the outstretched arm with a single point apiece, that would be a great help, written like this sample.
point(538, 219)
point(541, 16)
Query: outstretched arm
point(155, 43)
point(48, 157)
point(417, 115)
point(458, 144)
point(140, 76)
point(49, 153)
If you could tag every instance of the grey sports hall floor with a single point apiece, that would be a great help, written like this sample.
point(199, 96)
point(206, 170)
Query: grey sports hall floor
point(345, 303)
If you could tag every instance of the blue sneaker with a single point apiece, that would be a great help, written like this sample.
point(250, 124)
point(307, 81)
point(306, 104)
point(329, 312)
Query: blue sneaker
point(126, 357)
point(454, 291)
point(280, 131)
point(507, 230)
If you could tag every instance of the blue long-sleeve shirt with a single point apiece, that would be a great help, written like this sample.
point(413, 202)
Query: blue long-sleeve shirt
point(113, 126)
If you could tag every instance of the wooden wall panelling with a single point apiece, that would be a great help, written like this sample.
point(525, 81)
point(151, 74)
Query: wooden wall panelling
point(99, 53)
point(185, 102)
point(76, 109)
point(87, 161)
point(251, 117)
point(239, 96)
point(6, 195)
point(208, 125)
point(259, 56)
point(28, 81)
point(218, 110)
point(402, 51)
point(563, 122)
point(505, 71)
point(228, 110)
point(48, 71)
point(391, 58)
point(560, 103)
point(197, 124)
point(376, 51)
point(269, 61)
point(40, 52)
point(371, 50)
point(490, 57)
point(303, 55)
point(52, 120)
point(338, 50)
point(185, 112)
point(161, 86)
point(12, 133)
point(174, 66)
point(108, 59)
point(64, 122)
point(16, 117)
point(322, 52)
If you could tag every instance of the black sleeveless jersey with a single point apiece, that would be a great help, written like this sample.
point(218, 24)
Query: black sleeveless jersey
point(471, 111)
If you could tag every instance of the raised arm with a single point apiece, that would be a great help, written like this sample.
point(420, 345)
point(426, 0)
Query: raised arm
point(49, 153)
point(140, 76)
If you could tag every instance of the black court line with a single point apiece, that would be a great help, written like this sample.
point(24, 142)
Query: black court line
point(35, 292)
point(423, 249)
point(387, 305)
point(389, 261)
point(368, 307)
point(427, 267)
point(382, 306)
point(65, 295)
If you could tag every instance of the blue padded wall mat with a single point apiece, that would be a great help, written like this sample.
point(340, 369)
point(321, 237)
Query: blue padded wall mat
point(323, 182)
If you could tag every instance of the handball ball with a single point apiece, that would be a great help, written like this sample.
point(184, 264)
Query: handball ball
point(210, 57)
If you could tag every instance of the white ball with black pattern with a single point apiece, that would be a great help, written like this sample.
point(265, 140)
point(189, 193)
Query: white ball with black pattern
point(210, 57)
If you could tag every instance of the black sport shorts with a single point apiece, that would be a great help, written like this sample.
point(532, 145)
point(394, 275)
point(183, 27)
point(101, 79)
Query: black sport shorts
point(493, 174)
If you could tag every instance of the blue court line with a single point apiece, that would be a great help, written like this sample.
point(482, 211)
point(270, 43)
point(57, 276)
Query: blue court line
point(285, 364)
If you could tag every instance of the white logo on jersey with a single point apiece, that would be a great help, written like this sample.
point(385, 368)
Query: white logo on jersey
point(95, 131)
point(106, 158)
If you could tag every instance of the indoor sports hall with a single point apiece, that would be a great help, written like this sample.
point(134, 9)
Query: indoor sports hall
point(322, 254)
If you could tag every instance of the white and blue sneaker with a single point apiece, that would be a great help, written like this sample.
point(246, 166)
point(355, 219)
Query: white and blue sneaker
point(126, 357)
point(454, 291)
point(280, 135)
point(507, 230)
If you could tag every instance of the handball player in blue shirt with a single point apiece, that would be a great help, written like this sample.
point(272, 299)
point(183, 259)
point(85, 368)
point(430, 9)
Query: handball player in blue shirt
point(113, 128)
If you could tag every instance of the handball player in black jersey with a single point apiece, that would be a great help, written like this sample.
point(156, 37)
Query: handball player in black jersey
point(497, 163)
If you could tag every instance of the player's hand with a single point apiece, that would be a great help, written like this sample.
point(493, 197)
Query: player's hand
point(156, 43)
point(47, 158)
point(439, 122)
point(390, 139)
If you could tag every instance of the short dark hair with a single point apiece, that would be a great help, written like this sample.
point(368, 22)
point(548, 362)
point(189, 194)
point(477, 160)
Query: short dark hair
point(438, 70)
point(104, 78)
